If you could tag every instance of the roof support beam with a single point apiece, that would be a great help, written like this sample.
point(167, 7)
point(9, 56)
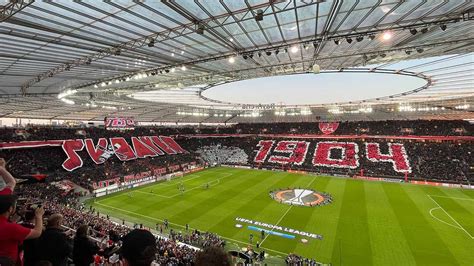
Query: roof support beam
point(12, 8)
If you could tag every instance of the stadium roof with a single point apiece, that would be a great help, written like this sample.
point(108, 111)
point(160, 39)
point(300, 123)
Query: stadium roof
point(83, 60)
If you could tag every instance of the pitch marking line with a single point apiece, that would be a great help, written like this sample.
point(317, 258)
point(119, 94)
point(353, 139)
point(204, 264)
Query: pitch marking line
point(460, 227)
point(283, 216)
point(211, 184)
point(167, 185)
point(153, 184)
point(182, 226)
point(450, 197)
point(434, 216)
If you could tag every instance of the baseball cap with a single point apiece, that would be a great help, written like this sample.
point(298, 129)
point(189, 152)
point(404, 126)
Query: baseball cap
point(139, 247)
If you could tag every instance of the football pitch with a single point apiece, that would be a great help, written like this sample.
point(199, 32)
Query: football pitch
point(367, 222)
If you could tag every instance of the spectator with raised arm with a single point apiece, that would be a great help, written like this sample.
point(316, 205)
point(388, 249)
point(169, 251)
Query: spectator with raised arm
point(8, 179)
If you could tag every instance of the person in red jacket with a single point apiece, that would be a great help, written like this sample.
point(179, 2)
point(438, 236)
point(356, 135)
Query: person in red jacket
point(12, 234)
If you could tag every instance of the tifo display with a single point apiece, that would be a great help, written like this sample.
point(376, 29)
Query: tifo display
point(275, 194)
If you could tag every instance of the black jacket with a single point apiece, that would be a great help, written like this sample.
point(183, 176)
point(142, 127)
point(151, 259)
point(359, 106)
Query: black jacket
point(54, 246)
point(30, 247)
point(84, 251)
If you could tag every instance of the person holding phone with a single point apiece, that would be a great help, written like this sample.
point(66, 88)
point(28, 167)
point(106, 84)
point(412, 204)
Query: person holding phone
point(12, 234)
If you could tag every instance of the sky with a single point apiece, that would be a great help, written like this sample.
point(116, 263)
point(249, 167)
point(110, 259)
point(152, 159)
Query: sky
point(314, 88)
point(326, 88)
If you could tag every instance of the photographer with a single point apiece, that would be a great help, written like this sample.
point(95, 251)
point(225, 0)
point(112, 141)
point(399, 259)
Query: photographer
point(12, 234)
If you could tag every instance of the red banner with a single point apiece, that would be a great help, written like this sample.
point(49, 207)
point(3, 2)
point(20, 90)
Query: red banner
point(101, 150)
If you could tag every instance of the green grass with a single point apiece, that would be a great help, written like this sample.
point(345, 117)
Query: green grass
point(368, 223)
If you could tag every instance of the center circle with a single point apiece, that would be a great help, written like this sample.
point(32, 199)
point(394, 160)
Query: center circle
point(302, 197)
point(309, 88)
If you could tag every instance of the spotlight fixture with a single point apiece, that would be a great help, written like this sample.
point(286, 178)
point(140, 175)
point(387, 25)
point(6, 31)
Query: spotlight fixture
point(268, 53)
point(250, 55)
point(294, 49)
point(117, 52)
point(172, 54)
point(50, 74)
point(383, 55)
point(420, 50)
point(259, 54)
point(424, 30)
point(285, 51)
point(443, 27)
point(199, 28)
point(231, 59)
point(387, 36)
point(88, 61)
point(95, 86)
point(359, 38)
point(245, 56)
point(151, 43)
point(372, 37)
point(413, 31)
point(172, 70)
point(259, 15)
point(277, 51)
point(183, 68)
point(337, 42)
point(67, 67)
point(315, 44)
point(365, 57)
point(408, 52)
point(349, 40)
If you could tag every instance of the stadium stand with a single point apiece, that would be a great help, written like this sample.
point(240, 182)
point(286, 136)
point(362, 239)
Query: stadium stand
point(445, 160)
point(102, 103)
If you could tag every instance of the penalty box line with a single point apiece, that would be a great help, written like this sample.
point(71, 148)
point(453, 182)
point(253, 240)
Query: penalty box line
point(211, 184)
point(437, 196)
point(454, 220)
point(182, 226)
point(139, 190)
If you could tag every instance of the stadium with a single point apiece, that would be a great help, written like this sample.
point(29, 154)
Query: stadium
point(236, 132)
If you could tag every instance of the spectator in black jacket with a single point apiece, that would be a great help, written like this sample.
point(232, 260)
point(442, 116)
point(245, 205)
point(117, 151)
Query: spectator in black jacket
point(30, 245)
point(54, 245)
point(84, 248)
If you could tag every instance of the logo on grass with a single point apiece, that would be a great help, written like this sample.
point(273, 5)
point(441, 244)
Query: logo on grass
point(303, 197)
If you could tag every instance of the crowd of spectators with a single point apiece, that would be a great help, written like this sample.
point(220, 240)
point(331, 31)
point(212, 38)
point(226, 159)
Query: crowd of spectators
point(430, 160)
point(96, 239)
point(293, 259)
point(219, 154)
point(389, 128)
point(449, 161)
